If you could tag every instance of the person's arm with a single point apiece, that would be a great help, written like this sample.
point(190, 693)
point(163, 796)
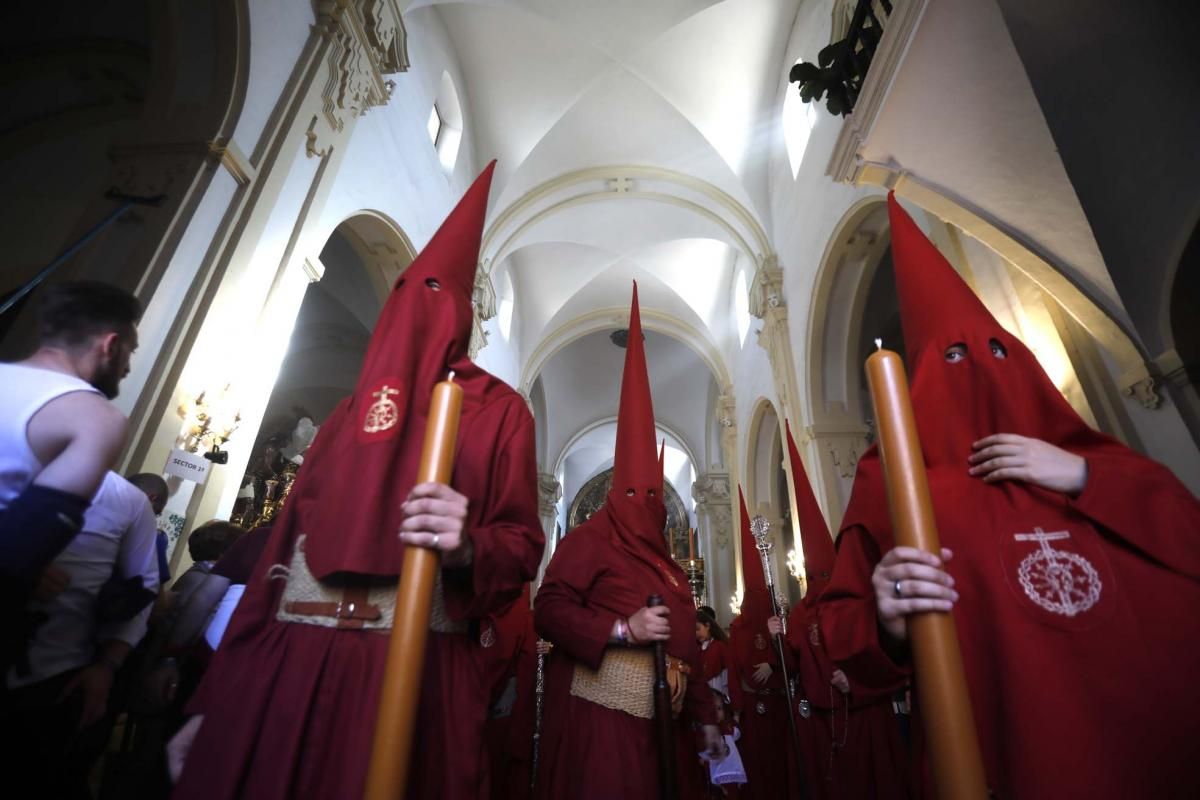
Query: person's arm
point(1100, 487)
point(137, 558)
point(849, 620)
point(1163, 522)
point(561, 614)
point(78, 437)
point(95, 681)
point(485, 565)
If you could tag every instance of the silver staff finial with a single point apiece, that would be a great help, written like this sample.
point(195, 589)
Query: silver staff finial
point(879, 344)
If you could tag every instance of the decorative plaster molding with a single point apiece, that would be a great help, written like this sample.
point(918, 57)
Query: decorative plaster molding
point(619, 182)
point(367, 40)
point(1141, 384)
point(766, 288)
point(549, 493)
point(233, 160)
point(714, 504)
point(843, 454)
point(856, 128)
point(483, 308)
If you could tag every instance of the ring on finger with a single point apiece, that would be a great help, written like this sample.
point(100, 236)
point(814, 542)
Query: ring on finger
point(896, 589)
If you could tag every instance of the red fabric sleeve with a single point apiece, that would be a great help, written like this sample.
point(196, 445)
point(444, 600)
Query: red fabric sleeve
point(561, 614)
point(736, 696)
point(849, 626)
point(698, 699)
point(507, 539)
point(1133, 498)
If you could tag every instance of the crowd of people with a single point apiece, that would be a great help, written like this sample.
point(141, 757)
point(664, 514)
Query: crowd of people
point(256, 674)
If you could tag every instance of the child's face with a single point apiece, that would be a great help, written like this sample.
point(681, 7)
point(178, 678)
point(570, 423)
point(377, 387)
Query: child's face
point(702, 632)
point(719, 702)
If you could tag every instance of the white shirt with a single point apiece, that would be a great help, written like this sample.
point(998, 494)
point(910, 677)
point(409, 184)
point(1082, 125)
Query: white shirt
point(117, 535)
point(26, 390)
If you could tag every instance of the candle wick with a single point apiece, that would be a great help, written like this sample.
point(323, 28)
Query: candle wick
point(878, 346)
point(450, 377)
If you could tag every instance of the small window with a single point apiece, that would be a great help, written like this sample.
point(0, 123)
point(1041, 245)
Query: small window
point(435, 124)
point(799, 118)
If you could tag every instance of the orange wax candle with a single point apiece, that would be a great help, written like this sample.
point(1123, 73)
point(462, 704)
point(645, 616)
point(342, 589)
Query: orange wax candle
point(691, 544)
point(945, 704)
point(391, 751)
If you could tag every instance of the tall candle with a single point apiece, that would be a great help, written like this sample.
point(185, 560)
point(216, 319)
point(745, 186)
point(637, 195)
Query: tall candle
point(691, 544)
point(945, 704)
point(391, 751)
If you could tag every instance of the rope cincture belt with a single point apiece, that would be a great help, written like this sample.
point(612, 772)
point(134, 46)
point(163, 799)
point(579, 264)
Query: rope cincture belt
point(358, 603)
point(624, 682)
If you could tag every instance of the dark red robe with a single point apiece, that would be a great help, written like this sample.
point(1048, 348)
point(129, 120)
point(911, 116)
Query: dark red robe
point(851, 742)
point(290, 706)
point(1076, 616)
point(589, 751)
point(289, 709)
point(715, 658)
point(766, 747)
point(508, 641)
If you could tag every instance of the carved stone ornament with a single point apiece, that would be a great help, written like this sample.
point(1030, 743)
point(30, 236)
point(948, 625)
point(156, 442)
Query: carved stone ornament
point(711, 493)
point(367, 41)
point(1145, 392)
point(766, 289)
point(844, 453)
point(549, 493)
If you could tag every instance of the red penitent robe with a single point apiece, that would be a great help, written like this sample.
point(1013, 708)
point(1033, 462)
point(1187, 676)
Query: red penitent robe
point(587, 750)
point(1084, 687)
point(715, 659)
point(508, 643)
point(289, 708)
point(851, 742)
point(765, 746)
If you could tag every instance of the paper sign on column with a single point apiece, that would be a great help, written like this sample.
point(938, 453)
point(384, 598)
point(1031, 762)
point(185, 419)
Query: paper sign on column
point(189, 466)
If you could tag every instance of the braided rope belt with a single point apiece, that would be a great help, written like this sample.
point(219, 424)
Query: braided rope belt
point(624, 682)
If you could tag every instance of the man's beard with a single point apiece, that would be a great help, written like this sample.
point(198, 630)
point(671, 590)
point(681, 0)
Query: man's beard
point(108, 378)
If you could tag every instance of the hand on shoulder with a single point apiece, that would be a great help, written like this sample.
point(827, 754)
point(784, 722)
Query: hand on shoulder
point(1008, 456)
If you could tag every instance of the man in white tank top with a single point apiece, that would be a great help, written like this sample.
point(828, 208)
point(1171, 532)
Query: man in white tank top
point(59, 434)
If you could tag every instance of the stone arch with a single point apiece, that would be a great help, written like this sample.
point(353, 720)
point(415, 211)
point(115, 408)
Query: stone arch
point(384, 247)
point(349, 285)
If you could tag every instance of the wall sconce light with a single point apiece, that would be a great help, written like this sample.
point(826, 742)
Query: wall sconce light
point(795, 564)
point(209, 423)
point(735, 602)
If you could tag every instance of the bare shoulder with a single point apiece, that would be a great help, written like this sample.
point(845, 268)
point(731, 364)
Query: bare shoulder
point(72, 417)
point(86, 411)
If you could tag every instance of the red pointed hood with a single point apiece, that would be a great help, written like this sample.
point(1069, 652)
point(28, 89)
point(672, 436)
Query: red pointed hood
point(633, 516)
point(989, 394)
point(814, 532)
point(756, 600)
point(370, 446)
point(998, 387)
point(635, 465)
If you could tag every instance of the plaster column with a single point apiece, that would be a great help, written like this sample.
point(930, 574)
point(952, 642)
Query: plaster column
point(714, 519)
point(549, 493)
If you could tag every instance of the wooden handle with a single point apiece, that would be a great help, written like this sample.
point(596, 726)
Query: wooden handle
point(941, 684)
point(391, 750)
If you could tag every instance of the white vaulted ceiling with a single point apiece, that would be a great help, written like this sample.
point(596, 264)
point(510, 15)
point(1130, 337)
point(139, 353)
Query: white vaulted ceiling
point(631, 137)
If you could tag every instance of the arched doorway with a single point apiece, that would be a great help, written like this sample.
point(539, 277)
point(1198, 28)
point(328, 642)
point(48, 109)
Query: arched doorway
point(769, 493)
point(358, 263)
